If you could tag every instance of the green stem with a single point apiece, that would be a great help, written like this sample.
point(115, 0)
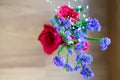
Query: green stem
point(95, 39)
point(75, 40)
point(60, 50)
point(67, 56)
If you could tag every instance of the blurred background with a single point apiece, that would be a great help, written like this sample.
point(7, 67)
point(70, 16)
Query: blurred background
point(22, 57)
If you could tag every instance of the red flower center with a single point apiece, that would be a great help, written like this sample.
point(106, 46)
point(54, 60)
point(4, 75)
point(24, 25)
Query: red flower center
point(50, 38)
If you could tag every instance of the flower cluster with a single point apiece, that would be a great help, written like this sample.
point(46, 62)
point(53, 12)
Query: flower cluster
point(70, 31)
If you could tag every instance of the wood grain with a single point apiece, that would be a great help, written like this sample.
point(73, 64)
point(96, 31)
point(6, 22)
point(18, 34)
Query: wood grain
point(21, 55)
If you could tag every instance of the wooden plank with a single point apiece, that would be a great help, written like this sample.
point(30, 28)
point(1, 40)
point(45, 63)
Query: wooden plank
point(21, 55)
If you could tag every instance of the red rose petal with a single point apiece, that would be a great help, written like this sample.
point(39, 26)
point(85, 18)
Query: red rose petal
point(50, 39)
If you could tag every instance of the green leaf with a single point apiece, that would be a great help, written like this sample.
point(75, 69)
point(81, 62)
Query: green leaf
point(56, 18)
point(53, 22)
point(83, 23)
point(78, 9)
point(81, 9)
point(80, 24)
point(71, 47)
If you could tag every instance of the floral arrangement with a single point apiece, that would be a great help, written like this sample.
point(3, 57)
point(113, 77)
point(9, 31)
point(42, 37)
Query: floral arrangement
point(70, 31)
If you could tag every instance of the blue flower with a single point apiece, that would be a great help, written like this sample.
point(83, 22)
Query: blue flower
point(70, 51)
point(61, 29)
point(87, 72)
point(76, 68)
point(68, 67)
point(52, 21)
point(84, 58)
point(61, 24)
point(68, 35)
point(93, 25)
point(79, 46)
point(56, 26)
point(68, 25)
point(104, 42)
point(62, 21)
point(80, 35)
point(68, 38)
point(59, 61)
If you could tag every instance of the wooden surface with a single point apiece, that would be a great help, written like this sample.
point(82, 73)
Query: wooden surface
point(114, 59)
point(21, 55)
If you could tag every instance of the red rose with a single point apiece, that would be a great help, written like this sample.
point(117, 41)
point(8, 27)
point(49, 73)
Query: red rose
point(50, 39)
point(67, 12)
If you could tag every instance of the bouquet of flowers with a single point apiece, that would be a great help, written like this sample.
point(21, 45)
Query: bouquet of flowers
point(70, 31)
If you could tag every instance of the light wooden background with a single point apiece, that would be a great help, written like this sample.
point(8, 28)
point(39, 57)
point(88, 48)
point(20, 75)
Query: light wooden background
point(21, 55)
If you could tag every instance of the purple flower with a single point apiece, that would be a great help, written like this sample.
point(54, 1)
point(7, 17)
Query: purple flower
point(56, 26)
point(68, 25)
point(52, 21)
point(61, 24)
point(68, 67)
point(93, 25)
point(104, 42)
point(76, 68)
point(61, 29)
point(70, 51)
point(59, 61)
point(79, 46)
point(68, 38)
point(62, 21)
point(80, 35)
point(87, 72)
point(68, 35)
point(84, 58)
